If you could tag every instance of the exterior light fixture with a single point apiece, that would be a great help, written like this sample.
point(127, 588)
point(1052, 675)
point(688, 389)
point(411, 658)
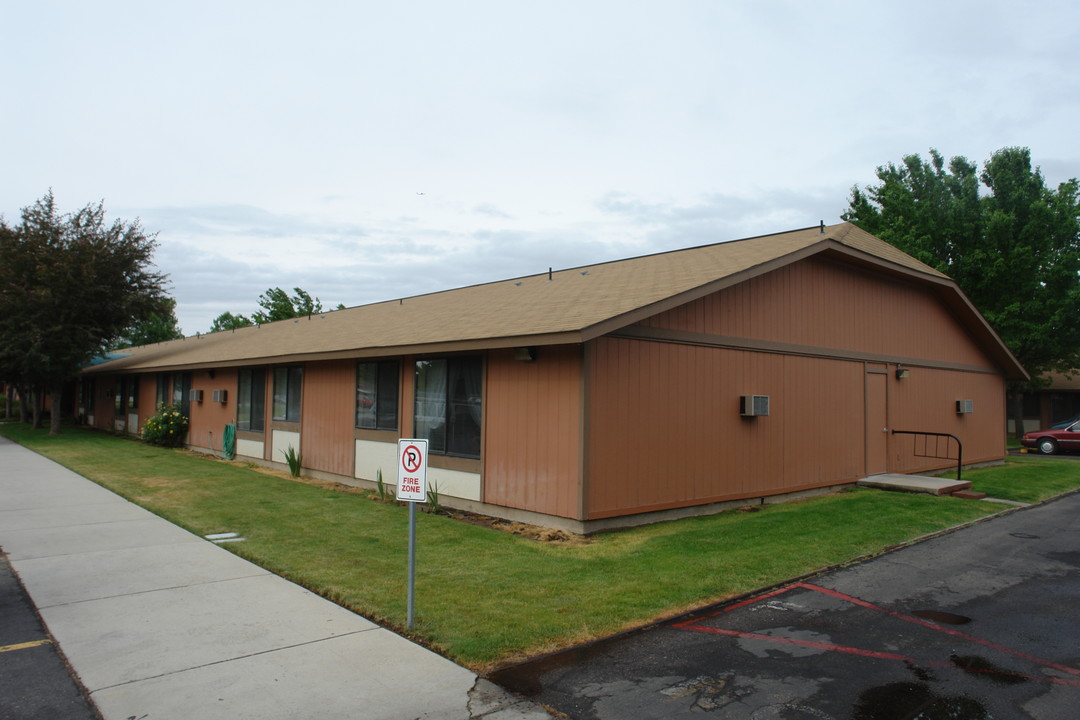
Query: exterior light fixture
point(902, 372)
point(525, 354)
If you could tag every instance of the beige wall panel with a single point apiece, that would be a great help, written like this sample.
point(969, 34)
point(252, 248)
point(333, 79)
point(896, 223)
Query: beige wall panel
point(925, 401)
point(280, 442)
point(665, 429)
point(250, 448)
point(532, 429)
point(449, 483)
point(208, 419)
point(329, 413)
point(373, 456)
point(828, 304)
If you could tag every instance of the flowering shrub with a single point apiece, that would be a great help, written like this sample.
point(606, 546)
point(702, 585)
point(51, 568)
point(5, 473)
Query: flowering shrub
point(166, 427)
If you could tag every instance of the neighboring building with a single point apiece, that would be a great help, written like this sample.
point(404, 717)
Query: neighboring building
point(1057, 402)
point(610, 394)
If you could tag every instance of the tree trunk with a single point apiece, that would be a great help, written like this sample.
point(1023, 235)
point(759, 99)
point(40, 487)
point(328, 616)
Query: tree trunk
point(36, 399)
point(56, 414)
point(8, 390)
point(1016, 409)
point(24, 397)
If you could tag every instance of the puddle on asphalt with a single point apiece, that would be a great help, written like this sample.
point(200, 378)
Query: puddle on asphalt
point(940, 616)
point(1068, 558)
point(905, 701)
point(975, 665)
point(920, 672)
point(526, 678)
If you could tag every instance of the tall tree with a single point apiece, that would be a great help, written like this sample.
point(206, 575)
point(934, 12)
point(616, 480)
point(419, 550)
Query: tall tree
point(228, 321)
point(1015, 251)
point(70, 285)
point(159, 326)
point(277, 305)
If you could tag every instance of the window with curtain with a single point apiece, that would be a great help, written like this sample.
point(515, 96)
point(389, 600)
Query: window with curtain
point(120, 394)
point(287, 384)
point(448, 405)
point(251, 399)
point(88, 391)
point(162, 394)
point(181, 385)
point(377, 395)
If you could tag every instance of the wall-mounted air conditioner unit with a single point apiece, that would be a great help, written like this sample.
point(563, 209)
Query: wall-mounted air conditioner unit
point(753, 405)
point(219, 396)
point(964, 407)
point(195, 396)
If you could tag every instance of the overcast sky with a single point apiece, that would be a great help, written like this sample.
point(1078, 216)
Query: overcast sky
point(371, 150)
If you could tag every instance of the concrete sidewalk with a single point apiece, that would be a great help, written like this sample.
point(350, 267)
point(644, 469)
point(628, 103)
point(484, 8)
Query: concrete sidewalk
point(159, 623)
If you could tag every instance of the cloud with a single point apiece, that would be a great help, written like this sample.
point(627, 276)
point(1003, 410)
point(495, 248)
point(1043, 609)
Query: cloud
point(718, 217)
point(222, 257)
point(491, 211)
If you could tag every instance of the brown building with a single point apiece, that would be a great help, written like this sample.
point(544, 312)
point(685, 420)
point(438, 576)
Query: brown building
point(610, 394)
point(1058, 401)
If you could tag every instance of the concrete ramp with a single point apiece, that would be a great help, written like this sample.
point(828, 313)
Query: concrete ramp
point(914, 484)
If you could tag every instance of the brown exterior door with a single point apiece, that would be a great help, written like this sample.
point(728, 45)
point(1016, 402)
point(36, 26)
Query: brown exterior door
point(877, 429)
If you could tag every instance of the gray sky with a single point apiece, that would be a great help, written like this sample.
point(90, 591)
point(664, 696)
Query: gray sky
point(369, 150)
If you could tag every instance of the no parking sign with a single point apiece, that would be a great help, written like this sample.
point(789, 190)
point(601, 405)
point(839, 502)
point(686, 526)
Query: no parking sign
point(412, 488)
point(412, 470)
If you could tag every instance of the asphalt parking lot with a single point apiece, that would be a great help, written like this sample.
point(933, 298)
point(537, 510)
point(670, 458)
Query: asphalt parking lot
point(35, 682)
point(980, 623)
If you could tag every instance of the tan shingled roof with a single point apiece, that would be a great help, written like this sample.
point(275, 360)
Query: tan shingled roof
point(573, 306)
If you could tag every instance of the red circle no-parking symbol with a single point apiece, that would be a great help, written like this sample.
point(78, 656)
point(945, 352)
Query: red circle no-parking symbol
point(411, 458)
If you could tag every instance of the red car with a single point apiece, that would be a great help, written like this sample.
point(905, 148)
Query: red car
point(1049, 442)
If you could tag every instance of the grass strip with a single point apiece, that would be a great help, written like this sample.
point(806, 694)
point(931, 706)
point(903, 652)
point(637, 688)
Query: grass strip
point(485, 597)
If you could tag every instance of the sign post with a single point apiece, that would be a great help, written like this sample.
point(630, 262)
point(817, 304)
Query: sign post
point(412, 488)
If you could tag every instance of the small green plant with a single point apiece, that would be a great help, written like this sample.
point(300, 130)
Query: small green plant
point(166, 427)
point(433, 497)
point(380, 484)
point(293, 459)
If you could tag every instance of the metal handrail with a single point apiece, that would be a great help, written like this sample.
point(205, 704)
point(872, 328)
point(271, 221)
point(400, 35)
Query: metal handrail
point(926, 443)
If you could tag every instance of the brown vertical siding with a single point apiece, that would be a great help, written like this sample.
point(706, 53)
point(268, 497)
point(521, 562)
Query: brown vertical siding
point(208, 419)
point(408, 394)
point(147, 398)
point(665, 429)
point(532, 423)
point(826, 303)
point(104, 401)
point(877, 419)
point(926, 401)
point(329, 412)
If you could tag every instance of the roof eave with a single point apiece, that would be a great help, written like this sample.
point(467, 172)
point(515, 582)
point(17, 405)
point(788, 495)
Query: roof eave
point(440, 348)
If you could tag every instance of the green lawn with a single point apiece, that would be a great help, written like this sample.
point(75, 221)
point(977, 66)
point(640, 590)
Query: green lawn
point(1025, 478)
point(485, 597)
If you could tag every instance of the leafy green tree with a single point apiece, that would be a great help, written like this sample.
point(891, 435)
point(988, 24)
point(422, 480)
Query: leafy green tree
point(228, 321)
point(1015, 251)
point(159, 326)
point(70, 286)
point(276, 304)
